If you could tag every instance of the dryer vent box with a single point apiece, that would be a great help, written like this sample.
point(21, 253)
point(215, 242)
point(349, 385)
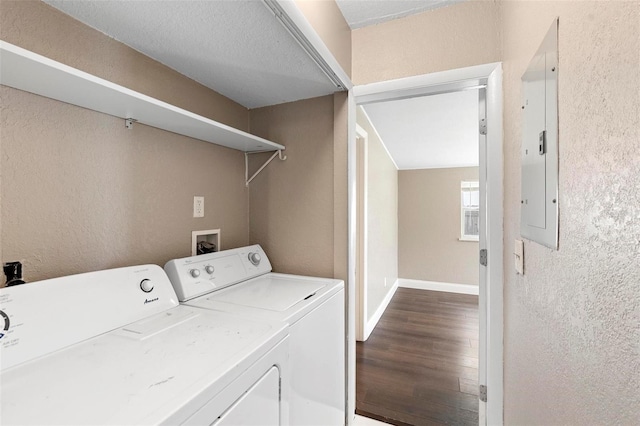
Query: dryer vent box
point(539, 199)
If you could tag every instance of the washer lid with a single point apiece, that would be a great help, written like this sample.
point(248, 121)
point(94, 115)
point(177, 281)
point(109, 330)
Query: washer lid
point(271, 292)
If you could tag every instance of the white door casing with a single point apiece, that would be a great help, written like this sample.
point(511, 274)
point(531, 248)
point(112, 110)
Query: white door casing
point(488, 78)
point(361, 268)
point(458, 79)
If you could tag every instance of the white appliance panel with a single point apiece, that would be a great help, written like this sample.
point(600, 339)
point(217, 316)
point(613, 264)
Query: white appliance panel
point(45, 316)
point(258, 406)
point(121, 378)
point(198, 275)
point(318, 358)
point(314, 309)
point(257, 308)
point(272, 292)
point(113, 347)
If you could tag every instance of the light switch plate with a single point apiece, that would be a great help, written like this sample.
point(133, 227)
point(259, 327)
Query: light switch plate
point(518, 253)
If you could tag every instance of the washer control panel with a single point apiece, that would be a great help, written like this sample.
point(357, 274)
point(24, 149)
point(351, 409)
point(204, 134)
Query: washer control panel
point(255, 258)
point(198, 275)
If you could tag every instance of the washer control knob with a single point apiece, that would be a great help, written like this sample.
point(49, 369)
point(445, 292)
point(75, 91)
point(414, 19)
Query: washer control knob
point(255, 258)
point(146, 285)
point(194, 273)
point(209, 269)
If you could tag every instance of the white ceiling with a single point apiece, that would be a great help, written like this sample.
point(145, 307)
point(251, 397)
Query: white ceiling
point(430, 131)
point(362, 13)
point(236, 48)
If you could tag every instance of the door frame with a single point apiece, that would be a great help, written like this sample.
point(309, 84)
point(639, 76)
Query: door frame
point(362, 154)
point(491, 297)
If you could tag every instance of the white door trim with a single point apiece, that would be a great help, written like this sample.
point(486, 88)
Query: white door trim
point(362, 140)
point(491, 76)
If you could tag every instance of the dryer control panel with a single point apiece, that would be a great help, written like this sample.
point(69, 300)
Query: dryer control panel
point(198, 275)
point(42, 317)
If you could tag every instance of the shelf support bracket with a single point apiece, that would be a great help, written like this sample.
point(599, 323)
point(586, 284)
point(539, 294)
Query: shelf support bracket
point(248, 179)
point(128, 123)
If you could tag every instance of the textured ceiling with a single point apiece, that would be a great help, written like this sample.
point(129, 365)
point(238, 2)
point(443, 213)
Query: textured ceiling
point(430, 131)
point(236, 48)
point(362, 13)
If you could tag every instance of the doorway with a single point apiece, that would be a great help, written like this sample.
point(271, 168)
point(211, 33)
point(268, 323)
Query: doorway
point(417, 360)
point(487, 77)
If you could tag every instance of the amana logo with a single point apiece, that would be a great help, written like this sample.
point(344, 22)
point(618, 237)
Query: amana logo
point(150, 300)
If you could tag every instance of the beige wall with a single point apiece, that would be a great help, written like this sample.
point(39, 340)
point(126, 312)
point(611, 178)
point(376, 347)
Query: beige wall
point(382, 219)
point(572, 322)
point(340, 186)
point(457, 36)
point(79, 191)
point(292, 201)
point(326, 19)
point(429, 227)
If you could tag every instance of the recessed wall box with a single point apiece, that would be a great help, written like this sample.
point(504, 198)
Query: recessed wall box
point(210, 236)
point(539, 199)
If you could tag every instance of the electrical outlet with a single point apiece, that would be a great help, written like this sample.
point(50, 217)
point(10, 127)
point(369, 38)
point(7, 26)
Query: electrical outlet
point(198, 206)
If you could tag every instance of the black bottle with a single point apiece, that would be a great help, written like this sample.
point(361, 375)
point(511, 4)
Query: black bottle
point(13, 271)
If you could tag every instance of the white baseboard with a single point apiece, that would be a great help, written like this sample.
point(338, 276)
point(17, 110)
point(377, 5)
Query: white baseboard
point(371, 324)
point(438, 286)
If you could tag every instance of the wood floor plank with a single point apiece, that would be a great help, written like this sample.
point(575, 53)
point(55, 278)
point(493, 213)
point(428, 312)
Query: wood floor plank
point(420, 364)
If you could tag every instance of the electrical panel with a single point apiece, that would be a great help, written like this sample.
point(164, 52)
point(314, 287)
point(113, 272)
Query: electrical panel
point(539, 196)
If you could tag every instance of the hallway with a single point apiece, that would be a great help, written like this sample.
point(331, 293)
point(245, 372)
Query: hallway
point(420, 364)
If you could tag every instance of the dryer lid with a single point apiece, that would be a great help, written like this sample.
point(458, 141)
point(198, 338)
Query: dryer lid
point(271, 292)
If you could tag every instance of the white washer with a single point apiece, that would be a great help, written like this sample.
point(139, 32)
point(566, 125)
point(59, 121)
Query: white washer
point(240, 281)
point(113, 347)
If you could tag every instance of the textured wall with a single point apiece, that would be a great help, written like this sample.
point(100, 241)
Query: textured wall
point(326, 19)
point(79, 192)
point(572, 322)
point(382, 219)
point(38, 27)
point(429, 227)
point(291, 202)
point(457, 36)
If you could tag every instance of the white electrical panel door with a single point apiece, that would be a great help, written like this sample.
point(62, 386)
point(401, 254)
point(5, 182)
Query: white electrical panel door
point(539, 198)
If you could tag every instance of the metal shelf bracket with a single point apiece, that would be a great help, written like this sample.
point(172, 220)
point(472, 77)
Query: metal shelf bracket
point(128, 123)
point(248, 179)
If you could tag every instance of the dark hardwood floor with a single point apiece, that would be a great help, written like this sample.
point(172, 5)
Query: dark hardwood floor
point(420, 364)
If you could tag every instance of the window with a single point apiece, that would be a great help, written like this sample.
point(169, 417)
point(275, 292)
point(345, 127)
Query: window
point(469, 211)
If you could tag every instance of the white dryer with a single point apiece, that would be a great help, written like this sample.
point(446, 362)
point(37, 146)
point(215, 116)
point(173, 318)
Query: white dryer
point(240, 281)
point(114, 347)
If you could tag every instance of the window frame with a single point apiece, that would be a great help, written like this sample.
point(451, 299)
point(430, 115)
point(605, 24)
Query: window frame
point(467, 185)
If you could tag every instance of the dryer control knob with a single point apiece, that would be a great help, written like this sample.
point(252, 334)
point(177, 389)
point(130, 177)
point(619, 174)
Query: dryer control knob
point(146, 285)
point(194, 273)
point(209, 269)
point(255, 258)
point(4, 325)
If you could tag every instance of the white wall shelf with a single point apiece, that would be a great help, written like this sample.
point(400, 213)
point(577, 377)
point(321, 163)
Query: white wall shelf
point(28, 71)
